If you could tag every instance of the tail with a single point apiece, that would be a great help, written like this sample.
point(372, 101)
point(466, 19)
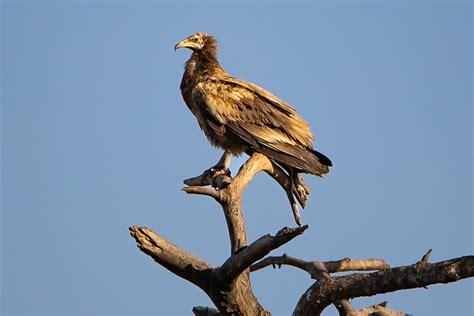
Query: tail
point(305, 159)
point(323, 163)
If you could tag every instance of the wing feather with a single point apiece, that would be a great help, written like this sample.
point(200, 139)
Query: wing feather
point(256, 111)
point(235, 108)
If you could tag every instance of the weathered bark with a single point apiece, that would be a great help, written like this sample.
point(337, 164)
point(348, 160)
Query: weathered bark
point(346, 309)
point(318, 269)
point(234, 294)
point(328, 290)
point(205, 311)
point(173, 258)
point(229, 285)
point(380, 309)
point(321, 270)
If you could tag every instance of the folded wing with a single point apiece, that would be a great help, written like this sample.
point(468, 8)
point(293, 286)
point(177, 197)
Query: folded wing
point(261, 120)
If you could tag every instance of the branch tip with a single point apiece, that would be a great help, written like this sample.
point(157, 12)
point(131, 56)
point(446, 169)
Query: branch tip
point(202, 191)
point(426, 257)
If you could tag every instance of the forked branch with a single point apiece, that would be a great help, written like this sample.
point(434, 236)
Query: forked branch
point(229, 287)
point(421, 274)
point(256, 163)
point(240, 261)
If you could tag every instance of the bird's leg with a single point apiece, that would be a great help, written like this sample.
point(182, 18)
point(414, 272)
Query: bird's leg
point(299, 188)
point(218, 176)
point(223, 163)
point(220, 172)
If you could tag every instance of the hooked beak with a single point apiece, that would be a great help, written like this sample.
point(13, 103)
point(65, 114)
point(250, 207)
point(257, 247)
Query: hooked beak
point(180, 45)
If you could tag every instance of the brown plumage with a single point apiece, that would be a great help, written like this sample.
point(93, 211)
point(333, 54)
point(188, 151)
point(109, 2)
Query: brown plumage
point(241, 117)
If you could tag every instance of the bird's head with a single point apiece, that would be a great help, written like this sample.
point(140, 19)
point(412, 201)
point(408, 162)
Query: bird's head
point(197, 42)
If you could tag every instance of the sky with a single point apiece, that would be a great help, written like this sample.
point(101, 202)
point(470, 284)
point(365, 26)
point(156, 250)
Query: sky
point(96, 138)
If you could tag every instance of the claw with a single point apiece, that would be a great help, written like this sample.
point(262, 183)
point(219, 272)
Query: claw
point(217, 176)
point(300, 189)
point(220, 178)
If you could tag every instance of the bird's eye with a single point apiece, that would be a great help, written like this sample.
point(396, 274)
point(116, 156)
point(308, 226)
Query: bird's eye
point(195, 39)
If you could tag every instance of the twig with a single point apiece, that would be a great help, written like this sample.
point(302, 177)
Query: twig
point(426, 257)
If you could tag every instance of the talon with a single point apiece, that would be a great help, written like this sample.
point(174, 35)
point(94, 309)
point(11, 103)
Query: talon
point(217, 176)
point(300, 189)
point(218, 171)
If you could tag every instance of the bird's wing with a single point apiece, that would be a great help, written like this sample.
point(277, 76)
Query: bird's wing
point(253, 114)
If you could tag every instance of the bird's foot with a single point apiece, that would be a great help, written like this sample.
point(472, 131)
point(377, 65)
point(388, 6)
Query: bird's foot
point(217, 176)
point(300, 190)
point(220, 176)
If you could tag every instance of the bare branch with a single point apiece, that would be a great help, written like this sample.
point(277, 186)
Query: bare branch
point(380, 309)
point(170, 256)
point(229, 286)
point(345, 308)
point(220, 179)
point(319, 269)
point(240, 261)
point(348, 264)
point(258, 163)
point(279, 261)
point(255, 164)
point(202, 191)
point(205, 311)
point(326, 291)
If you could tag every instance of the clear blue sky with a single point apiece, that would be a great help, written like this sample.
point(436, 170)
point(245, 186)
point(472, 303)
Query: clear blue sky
point(96, 138)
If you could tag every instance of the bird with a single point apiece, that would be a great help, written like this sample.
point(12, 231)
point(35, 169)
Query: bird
point(241, 117)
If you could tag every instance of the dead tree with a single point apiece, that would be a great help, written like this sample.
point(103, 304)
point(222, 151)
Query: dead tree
point(228, 285)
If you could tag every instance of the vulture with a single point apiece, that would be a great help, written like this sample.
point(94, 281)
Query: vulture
point(241, 117)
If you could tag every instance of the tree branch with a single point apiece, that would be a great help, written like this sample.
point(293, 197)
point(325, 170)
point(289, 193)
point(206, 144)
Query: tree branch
point(319, 269)
point(240, 261)
point(255, 164)
point(345, 308)
point(170, 256)
point(348, 264)
point(327, 291)
point(260, 163)
point(220, 179)
point(202, 191)
point(217, 178)
point(229, 287)
point(205, 311)
point(380, 309)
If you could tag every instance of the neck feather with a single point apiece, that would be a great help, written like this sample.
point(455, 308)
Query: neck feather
point(204, 61)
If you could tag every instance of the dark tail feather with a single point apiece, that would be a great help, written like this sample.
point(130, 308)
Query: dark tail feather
point(323, 162)
point(322, 158)
point(304, 159)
